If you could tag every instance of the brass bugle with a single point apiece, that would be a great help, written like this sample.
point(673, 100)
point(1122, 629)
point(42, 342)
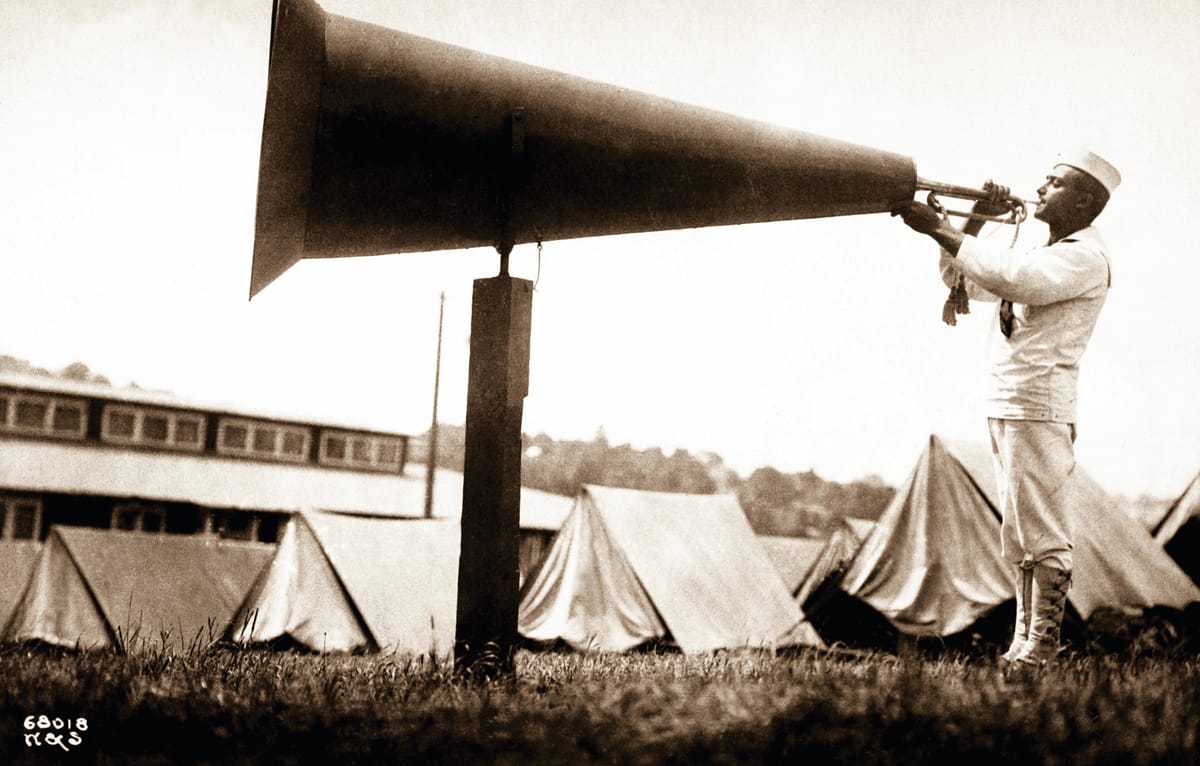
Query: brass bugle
point(1017, 207)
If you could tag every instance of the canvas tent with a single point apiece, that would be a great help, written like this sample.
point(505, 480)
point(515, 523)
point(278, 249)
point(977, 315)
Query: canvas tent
point(1178, 531)
point(341, 582)
point(792, 557)
point(94, 588)
point(630, 566)
point(1117, 564)
point(805, 563)
point(16, 562)
point(838, 551)
point(932, 566)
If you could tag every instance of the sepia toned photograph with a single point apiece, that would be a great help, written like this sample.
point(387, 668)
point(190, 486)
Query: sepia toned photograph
point(617, 383)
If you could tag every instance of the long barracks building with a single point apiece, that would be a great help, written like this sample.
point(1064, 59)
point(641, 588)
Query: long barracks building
point(85, 454)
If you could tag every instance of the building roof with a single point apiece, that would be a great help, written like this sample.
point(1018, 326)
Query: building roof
point(72, 468)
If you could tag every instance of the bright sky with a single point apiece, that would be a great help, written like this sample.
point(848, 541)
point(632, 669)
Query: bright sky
point(128, 175)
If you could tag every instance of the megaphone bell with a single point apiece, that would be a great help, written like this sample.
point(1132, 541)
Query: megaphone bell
point(376, 141)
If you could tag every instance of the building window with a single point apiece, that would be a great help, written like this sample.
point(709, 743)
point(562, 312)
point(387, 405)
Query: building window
point(20, 518)
point(125, 518)
point(334, 449)
point(138, 517)
point(187, 431)
point(44, 415)
point(264, 440)
point(361, 451)
point(185, 520)
point(236, 525)
point(389, 452)
point(120, 424)
point(154, 519)
point(294, 444)
point(68, 418)
point(155, 428)
point(269, 527)
point(246, 437)
point(233, 437)
point(158, 428)
point(31, 414)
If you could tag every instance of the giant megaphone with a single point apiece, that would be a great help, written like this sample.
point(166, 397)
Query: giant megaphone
point(376, 141)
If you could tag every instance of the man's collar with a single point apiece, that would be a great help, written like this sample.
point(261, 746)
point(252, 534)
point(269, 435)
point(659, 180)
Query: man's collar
point(1088, 233)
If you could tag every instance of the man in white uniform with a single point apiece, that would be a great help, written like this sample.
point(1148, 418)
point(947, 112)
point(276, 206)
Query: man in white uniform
point(1048, 301)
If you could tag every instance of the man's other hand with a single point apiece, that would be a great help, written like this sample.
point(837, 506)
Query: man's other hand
point(994, 205)
point(918, 216)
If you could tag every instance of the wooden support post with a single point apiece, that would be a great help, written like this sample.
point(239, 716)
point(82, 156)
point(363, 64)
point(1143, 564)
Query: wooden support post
point(489, 561)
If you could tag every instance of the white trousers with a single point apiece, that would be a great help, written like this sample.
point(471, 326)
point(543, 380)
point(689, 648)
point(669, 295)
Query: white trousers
point(1035, 468)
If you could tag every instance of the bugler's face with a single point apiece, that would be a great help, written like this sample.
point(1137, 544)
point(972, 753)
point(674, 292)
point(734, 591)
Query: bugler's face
point(1059, 195)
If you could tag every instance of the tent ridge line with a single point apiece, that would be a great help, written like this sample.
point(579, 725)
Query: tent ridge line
point(87, 586)
point(337, 577)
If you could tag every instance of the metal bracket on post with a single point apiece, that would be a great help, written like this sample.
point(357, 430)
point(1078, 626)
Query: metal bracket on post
point(504, 253)
point(510, 179)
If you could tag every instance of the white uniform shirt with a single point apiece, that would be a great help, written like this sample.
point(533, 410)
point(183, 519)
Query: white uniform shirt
point(1057, 293)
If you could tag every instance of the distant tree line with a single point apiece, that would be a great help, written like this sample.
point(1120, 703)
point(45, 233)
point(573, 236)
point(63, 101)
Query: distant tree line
point(776, 503)
point(805, 505)
point(564, 466)
point(73, 371)
point(796, 505)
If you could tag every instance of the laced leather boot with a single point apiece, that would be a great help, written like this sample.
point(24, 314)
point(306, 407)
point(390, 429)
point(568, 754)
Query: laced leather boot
point(1049, 603)
point(1024, 614)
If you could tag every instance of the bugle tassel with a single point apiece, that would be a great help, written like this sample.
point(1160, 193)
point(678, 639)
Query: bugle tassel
point(948, 310)
point(962, 303)
point(958, 302)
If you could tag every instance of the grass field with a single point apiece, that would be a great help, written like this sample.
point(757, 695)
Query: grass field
point(248, 706)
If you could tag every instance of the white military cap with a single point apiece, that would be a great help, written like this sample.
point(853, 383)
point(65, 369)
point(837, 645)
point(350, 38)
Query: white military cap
point(1094, 165)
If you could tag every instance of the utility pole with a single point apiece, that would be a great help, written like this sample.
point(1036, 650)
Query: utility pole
point(431, 458)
